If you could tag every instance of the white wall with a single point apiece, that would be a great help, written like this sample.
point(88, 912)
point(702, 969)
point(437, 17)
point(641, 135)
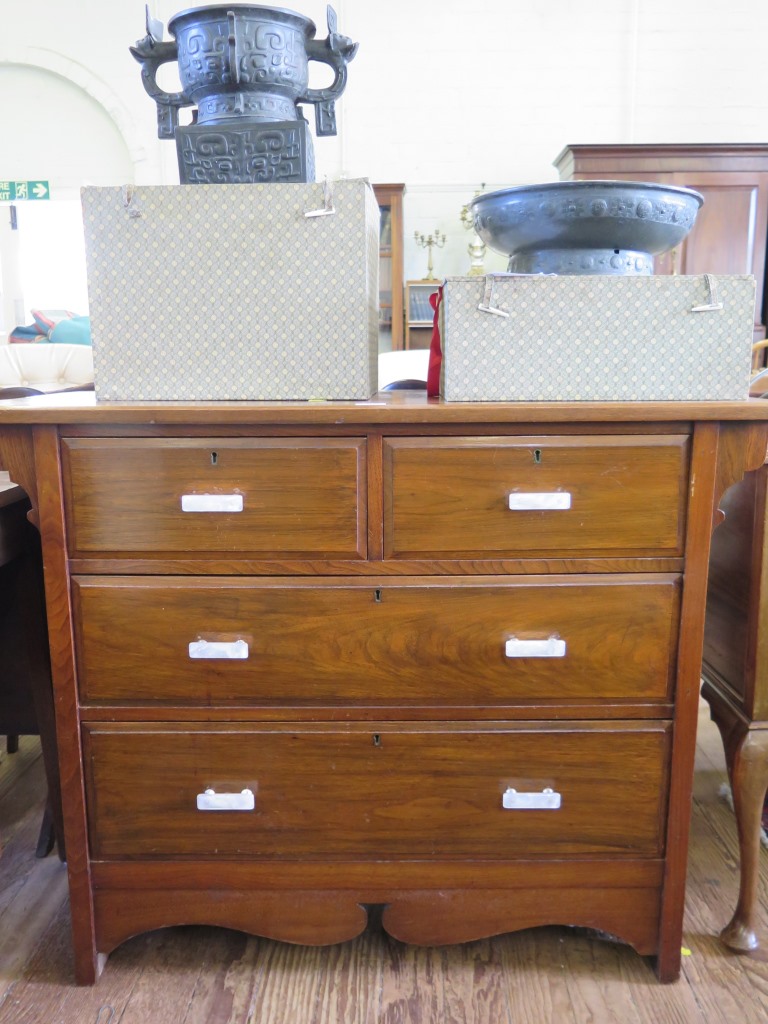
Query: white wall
point(443, 94)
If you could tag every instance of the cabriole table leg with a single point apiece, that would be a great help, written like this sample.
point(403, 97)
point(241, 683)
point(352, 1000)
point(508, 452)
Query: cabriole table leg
point(746, 753)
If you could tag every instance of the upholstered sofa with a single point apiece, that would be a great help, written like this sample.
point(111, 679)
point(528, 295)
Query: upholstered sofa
point(44, 367)
point(409, 366)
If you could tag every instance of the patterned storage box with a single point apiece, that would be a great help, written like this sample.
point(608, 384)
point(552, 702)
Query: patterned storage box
point(217, 292)
point(510, 337)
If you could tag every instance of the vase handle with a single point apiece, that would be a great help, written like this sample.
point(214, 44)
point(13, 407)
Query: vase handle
point(151, 53)
point(336, 51)
point(234, 62)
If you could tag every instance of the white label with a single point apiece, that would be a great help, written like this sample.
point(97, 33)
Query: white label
point(211, 503)
point(521, 500)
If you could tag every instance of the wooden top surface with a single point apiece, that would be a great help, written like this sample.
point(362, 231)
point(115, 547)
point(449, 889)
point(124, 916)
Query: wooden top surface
point(384, 408)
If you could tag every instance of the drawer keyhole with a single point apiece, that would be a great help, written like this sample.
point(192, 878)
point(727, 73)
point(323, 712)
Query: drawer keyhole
point(214, 458)
point(377, 595)
point(377, 739)
point(537, 456)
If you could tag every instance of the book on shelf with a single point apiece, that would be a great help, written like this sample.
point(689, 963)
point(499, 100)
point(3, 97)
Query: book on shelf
point(419, 307)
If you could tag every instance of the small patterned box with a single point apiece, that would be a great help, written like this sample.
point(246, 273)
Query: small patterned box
point(233, 292)
point(526, 338)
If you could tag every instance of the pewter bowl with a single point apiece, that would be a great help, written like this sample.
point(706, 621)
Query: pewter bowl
point(585, 227)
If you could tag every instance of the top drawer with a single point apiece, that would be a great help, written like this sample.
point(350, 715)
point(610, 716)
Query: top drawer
point(297, 497)
point(474, 497)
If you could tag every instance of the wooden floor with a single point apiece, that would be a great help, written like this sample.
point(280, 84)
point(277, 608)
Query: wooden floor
point(213, 976)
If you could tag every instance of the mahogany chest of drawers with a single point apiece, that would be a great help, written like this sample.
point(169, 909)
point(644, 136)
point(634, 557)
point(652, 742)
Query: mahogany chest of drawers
point(443, 659)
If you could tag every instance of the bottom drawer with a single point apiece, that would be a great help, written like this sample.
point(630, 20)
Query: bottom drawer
point(378, 791)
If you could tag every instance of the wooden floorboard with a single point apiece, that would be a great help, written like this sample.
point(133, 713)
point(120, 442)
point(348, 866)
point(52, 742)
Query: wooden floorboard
point(195, 975)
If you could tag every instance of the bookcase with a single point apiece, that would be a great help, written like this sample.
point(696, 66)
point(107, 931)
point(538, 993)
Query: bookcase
point(390, 200)
point(418, 313)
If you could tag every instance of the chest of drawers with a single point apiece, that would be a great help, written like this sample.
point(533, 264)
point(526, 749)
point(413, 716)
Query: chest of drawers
point(442, 659)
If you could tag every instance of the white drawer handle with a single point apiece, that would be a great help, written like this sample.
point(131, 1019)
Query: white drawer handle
point(521, 501)
point(549, 648)
point(547, 800)
point(218, 649)
point(210, 800)
point(211, 503)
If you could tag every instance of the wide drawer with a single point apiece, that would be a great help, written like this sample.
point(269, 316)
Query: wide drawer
point(301, 497)
point(377, 791)
point(482, 640)
point(474, 497)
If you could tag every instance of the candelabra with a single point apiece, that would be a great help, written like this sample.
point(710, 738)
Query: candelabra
point(429, 242)
point(476, 247)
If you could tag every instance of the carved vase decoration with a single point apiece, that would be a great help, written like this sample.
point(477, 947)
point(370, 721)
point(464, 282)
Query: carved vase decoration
point(245, 69)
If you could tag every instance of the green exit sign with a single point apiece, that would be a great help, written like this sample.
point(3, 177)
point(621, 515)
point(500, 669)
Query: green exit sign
point(13, 191)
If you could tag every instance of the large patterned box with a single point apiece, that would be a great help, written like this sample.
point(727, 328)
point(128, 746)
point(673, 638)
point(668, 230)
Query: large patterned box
point(512, 337)
point(233, 292)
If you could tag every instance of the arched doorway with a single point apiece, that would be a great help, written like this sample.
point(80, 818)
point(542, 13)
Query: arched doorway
point(58, 131)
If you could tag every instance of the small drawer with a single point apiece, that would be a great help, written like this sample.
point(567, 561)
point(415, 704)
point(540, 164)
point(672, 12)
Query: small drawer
point(433, 641)
point(480, 497)
point(377, 791)
point(257, 497)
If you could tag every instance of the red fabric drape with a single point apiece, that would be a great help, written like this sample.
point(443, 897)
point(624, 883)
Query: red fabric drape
point(435, 348)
